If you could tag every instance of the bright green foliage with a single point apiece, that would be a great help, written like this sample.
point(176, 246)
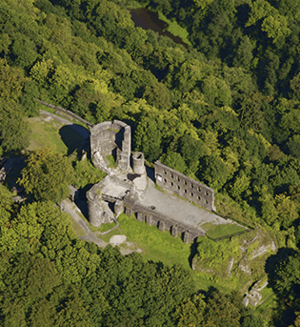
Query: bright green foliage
point(214, 172)
point(47, 175)
point(225, 110)
point(268, 209)
point(240, 185)
point(86, 173)
point(147, 138)
point(214, 256)
point(5, 198)
point(287, 210)
point(14, 130)
point(27, 282)
point(174, 160)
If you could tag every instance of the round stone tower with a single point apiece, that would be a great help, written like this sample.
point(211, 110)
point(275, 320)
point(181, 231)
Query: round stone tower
point(138, 163)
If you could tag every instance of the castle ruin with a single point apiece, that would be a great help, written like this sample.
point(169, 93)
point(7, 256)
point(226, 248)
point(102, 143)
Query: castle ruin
point(127, 188)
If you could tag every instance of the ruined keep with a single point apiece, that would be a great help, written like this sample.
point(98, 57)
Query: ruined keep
point(128, 189)
point(111, 139)
point(184, 186)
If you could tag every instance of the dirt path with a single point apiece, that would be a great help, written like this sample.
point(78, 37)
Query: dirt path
point(89, 236)
point(71, 209)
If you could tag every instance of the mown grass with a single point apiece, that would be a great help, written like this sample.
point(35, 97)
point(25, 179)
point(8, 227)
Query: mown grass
point(106, 227)
point(77, 228)
point(45, 134)
point(222, 230)
point(156, 246)
point(52, 134)
point(175, 29)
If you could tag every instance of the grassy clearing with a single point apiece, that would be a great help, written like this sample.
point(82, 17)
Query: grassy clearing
point(156, 246)
point(160, 247)
point(52, 134)
point(45, 134)
point(77, 228)
point(106, 227)
point(218, 231)
point(175, 29)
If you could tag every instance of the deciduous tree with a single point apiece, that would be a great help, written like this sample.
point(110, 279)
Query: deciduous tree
point(47, 175)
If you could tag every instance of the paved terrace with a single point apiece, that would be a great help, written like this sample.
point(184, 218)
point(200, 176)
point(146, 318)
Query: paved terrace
point(179, 209)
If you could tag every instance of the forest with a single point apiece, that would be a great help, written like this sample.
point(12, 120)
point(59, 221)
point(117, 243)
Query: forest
point(224, 110)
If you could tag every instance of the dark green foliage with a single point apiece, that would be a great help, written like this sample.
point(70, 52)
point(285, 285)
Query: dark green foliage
point(213, 172)
point(47, 175)
point(226, 110)
point(148, 138)
point(13, 127)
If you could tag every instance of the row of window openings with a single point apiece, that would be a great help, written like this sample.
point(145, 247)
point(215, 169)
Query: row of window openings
point(185, 191)
point(185, 182)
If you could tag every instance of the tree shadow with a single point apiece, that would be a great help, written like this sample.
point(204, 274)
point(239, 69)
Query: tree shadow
point(193, 248)
point(74, 136)
point(275, 262)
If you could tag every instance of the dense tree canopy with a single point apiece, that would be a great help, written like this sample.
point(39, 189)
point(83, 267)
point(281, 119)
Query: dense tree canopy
point(47, 175)
point(224, 110)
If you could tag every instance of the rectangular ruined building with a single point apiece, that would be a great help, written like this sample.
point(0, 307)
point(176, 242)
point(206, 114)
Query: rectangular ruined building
point(184, 186)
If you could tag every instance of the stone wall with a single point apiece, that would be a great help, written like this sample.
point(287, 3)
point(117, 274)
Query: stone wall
point(138, 163)
point(150, 217)
point(62, 111)
point(184, 186)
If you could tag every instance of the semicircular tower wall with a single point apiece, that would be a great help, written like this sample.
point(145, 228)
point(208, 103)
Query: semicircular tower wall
point(111, 138)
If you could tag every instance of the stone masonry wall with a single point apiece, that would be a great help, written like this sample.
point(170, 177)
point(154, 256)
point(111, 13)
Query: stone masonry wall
point(144, 214)
point(103, 141)
point(184, 186)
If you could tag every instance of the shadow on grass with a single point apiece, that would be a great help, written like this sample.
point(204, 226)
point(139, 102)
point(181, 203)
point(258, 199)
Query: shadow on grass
point(73, 136)
point(193, 248)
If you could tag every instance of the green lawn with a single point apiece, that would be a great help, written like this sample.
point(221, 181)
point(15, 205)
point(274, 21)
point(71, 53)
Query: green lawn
point(106, 227)
point(52, 134)
point(158, 246)
point(223, 230)
point(175, 29)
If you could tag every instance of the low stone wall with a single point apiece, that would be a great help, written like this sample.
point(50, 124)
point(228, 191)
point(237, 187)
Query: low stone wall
point(66, 112)
point(184, 186)
point(149, 216)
